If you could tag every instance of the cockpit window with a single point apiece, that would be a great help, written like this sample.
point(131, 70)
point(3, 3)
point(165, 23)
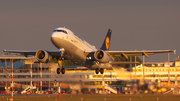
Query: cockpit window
point(60, 31)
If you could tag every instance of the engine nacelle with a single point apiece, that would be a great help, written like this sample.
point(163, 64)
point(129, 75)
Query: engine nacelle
point(43, 56)
point(101, 56)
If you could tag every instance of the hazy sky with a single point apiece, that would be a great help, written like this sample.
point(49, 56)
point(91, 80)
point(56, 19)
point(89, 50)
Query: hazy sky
point(135, 24)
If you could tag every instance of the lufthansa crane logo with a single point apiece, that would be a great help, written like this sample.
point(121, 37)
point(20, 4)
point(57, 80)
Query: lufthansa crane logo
point(107, 43)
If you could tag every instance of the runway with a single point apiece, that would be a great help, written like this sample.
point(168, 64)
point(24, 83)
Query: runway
point(93, 97)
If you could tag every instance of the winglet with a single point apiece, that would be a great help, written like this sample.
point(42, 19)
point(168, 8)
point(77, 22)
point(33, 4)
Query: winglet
point(106, 43)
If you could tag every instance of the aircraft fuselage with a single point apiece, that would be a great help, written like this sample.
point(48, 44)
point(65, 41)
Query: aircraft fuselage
point(74, 47)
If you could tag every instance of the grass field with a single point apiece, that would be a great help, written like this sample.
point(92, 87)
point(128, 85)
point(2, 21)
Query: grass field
point(93, 97)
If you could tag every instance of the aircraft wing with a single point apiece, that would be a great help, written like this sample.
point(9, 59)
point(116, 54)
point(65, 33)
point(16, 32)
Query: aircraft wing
point(111, 53)
point(136, 53)
point(26, 53)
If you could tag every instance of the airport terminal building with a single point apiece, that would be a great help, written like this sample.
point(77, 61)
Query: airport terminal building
point(75, 79)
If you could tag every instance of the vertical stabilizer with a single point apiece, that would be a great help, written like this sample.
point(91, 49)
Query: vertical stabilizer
point(106, 43)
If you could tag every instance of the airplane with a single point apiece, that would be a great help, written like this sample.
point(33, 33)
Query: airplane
point(80, 52)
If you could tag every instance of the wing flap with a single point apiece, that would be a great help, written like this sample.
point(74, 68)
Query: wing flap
point(137, 53)
point(132, 53)
point(26, 53)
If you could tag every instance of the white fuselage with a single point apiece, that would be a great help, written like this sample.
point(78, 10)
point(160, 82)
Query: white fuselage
point(73, 45)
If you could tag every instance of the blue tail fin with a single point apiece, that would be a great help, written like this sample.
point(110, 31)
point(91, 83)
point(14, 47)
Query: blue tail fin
point(106, 43)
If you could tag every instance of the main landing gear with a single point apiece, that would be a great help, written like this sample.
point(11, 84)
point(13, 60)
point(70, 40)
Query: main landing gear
point(60, 62)
point(101, 70)
point(60, 70)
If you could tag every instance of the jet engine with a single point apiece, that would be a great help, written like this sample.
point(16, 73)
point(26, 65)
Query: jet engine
point(101, 56)
point(43, 56)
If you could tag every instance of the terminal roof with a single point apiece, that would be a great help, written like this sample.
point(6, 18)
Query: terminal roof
point(13, 57)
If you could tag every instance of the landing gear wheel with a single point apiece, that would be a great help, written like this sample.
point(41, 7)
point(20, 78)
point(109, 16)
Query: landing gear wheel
point(63, 71)
point(102, 71)
point(97, 70)
point(58, 70)
point(61, 58)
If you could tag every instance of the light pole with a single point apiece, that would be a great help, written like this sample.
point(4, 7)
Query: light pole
point(168, 71)
point(12, 79)
point(41, 77)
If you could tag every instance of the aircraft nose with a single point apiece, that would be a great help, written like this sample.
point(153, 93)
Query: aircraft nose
point(54, 37)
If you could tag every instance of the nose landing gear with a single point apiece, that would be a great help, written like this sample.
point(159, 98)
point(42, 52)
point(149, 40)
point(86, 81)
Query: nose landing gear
point(60, 62)
point(60, 71)
point(63, 71)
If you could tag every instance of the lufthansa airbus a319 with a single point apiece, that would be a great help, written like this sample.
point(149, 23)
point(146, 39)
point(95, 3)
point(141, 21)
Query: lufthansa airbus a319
point(71, 47)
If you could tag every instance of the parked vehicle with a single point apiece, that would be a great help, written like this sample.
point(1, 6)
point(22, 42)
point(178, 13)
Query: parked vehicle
point(48, 92)
point(4, 92)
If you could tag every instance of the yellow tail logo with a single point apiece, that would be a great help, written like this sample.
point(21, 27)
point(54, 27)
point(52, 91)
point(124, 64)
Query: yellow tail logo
point(107, 43)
